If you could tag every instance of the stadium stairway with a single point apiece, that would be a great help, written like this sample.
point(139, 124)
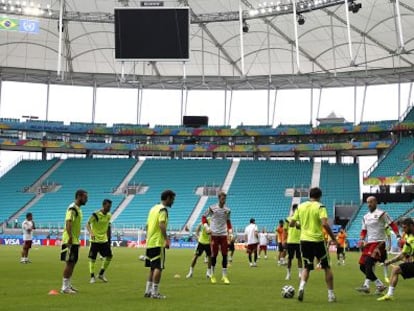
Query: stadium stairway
point(125, 182)
point(230, 176)
point(124, 203)
point(182, 176)
point(203, 198)
point(122, 186)
point(15, 183)
point(409, 170)
point(34, 189)
point(316, 174)
point(97, 176)
point(197, 210)
point(38, 183)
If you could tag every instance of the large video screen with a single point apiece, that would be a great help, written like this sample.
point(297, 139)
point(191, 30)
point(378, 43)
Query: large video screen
point(153, 34)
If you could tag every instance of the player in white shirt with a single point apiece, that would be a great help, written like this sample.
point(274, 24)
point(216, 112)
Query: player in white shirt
point(372, 241)
point(28, 226)
point(263, 241)
point(251, 235)
point(221, 231)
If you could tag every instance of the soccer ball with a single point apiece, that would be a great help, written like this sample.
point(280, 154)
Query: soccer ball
point(142, 257)
point(288, 291)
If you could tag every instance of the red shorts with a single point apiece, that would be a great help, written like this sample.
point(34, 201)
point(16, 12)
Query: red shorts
point(375, 250)
point(27, 244)
point(263, 247)
point(251, 248)
point(219, 241)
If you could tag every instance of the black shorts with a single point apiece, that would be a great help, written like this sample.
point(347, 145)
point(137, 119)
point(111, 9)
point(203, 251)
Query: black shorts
point(69, 253)
point(339, 250)
point(203, 248)
point(310, 250)
point(280, 247)
point(155, 258)
point(231, 246)
point(104, 249)
point(293, 249)
point(407, 270)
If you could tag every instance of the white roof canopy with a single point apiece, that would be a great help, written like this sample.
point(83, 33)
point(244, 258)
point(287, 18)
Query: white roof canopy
point(377, 49)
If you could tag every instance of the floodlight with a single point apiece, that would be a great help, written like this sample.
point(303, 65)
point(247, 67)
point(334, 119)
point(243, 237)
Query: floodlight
point(300, 19)
point(354, 7)
point(246, 26)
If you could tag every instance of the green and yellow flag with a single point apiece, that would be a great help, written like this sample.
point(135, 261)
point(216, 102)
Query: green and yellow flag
point(9, 24)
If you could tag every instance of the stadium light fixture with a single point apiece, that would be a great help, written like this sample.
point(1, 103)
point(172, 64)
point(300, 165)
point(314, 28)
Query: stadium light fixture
point(300, 19)
point(284, 7)
point(18, 7)
point(245, 27)
point(354, 7)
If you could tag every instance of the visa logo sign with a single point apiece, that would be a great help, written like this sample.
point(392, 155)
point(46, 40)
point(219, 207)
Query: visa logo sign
point(11, 241)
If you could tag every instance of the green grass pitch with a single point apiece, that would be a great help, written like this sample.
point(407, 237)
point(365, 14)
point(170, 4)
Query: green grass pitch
point(26, 287)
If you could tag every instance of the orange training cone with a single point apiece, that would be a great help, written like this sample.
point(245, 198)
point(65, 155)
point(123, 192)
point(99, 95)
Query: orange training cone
point(53, 292)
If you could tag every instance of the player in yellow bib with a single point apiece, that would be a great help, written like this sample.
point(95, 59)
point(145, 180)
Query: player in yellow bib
point(70, 239)
point(312, 216)
point(157, 242)
point(405, 269)
point(292, 240)
point(202, 246)
point(99, 228)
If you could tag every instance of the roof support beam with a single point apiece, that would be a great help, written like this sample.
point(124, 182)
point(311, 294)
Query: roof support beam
point(213, 39)
point(286, 37)
point(364, 34)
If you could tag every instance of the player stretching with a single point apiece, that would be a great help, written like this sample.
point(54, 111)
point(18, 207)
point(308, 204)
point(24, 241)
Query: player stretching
point(220, 228)
point(373, 230)
point(406, 269)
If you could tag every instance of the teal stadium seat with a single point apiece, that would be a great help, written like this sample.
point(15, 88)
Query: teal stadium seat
point(14, 182)
point(181, 176)
point(97, 176)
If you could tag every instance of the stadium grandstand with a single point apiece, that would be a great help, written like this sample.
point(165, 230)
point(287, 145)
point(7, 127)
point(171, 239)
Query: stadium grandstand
point(273, 98)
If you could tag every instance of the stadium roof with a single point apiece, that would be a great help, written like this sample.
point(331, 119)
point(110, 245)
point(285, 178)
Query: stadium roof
point(377, 49)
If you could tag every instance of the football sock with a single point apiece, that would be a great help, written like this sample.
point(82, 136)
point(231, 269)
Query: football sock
point(385, 271)
point(105, 264)
point(92, 264)
point(148, 287)
point(65, 283)
point(155, 288)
